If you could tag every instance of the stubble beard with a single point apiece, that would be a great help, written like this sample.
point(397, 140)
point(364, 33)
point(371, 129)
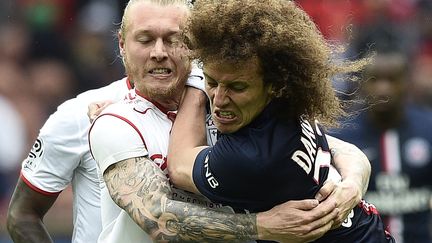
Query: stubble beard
point(172, 91)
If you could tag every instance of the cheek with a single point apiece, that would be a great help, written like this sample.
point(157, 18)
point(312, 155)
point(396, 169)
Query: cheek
point(248, 108)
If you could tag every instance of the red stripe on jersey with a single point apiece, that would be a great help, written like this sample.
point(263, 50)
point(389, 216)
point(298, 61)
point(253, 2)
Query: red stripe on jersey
point(34, 188)
point(129, 84)
point(142, 112)
point(383, 153)
point(121, 118)
point(159, 106)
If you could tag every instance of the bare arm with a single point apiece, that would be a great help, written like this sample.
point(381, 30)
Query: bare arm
point(188, 138)
point(351, 163)
point(25, 215)
point(355, 169)
point(143, 191)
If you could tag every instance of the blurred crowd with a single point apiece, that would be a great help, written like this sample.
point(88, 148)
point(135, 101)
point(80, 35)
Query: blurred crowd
point(51, 50)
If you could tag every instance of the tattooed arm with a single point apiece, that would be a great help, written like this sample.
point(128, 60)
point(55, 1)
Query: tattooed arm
point(140, 188)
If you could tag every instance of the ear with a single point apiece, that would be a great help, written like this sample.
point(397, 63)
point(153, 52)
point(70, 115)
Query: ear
point(121, 43)
point(270, 90)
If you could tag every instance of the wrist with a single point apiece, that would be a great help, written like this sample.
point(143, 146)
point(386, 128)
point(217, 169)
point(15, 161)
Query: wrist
point(196, 96)
point(354, 186)
point(263, 232)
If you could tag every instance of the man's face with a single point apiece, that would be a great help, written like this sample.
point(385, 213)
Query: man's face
point(237, 94)
point(385, 90)
point(154, 59)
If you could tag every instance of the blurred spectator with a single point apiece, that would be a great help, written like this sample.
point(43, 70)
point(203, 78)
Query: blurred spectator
point(52, 81)
point(397, 139)
point(384, 25)
point(49, 51)
point(421, 80)
point(333, 17)
point(12, 146)
point(14, 42)
point(94, 49)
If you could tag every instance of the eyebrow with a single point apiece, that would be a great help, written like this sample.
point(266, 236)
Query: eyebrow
point(149, 32)
point(208, 77)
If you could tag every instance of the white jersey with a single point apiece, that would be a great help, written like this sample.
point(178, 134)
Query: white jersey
point(61, 156)
point(133, 128)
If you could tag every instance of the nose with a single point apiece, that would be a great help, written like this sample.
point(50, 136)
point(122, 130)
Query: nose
point(220, 98)
point(159, 52)
point(383, 87)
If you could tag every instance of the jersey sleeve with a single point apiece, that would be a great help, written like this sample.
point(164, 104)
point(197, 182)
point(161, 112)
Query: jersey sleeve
point(256, 169)
point(114, 138)
point(221, 173)
point(57, 151)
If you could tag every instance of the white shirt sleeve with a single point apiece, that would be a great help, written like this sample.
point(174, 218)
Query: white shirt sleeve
point(58, 150)
point(114, 138)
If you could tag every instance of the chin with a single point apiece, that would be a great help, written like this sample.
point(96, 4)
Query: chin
point(227, 129)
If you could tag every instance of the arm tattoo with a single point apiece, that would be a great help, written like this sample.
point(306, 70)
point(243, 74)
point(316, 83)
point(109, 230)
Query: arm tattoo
point(140, 187)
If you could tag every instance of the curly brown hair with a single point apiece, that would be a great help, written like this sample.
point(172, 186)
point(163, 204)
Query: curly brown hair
point(294, 57)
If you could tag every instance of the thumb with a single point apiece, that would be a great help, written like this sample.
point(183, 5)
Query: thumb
point(325, 191)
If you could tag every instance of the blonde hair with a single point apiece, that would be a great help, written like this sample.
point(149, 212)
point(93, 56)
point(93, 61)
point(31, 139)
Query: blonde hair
point(124, 22)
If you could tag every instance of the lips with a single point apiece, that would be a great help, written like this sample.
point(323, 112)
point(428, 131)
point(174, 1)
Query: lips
point(225, 116)
point(160, 71)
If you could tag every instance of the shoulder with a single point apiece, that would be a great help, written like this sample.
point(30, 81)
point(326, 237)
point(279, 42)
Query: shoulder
point(417, 113)
point(73, 112)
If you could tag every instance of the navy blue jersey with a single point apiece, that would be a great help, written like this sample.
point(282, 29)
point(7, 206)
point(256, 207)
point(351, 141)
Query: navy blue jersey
point(401, 159)
point(271, 161)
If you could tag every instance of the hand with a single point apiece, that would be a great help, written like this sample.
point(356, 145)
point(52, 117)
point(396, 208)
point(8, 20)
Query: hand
point(196, 78)
point(346, 194)
point(95, 108)
point(297, 221)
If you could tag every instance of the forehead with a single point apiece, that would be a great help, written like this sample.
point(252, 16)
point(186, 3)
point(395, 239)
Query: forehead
point(147, 16)
point(247, 71)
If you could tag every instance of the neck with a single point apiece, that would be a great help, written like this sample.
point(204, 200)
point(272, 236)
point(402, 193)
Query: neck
point(168, 104)
point(387, 119)
point(163, 102)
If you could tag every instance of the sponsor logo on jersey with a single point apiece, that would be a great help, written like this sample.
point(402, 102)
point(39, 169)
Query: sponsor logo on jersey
point(212, 133)
point(210, 178)
point(34, 157)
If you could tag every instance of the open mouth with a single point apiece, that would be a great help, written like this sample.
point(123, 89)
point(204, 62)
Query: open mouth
point(160, 71)
point(226, 115)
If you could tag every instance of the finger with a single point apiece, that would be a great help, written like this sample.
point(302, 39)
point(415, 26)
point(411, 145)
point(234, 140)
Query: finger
point(326, 190)
point(306, 204)
point(325, 207)
point(107, 103)
point(318, 232)
point(324, 220)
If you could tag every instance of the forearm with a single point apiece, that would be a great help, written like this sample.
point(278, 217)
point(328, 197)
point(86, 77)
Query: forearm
point(189, 127)
point(28, 231)
point(141, 189)
point(26, 211)
point(188, 136)
point(351, 162)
